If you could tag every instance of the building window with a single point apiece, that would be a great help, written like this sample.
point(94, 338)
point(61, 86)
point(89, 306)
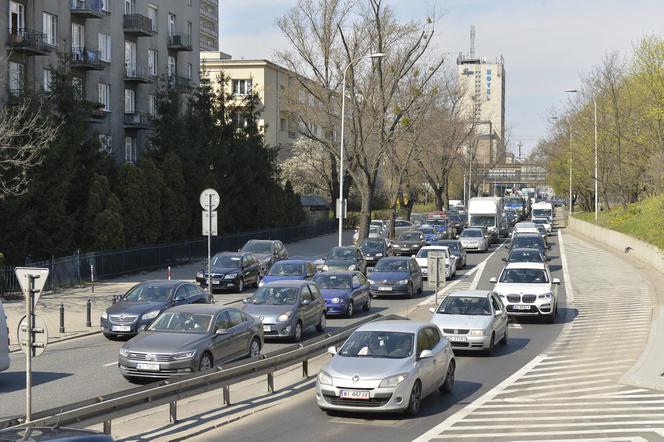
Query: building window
point(104, 96)
point(77, 37)
point(152, 105)
point(51, 29)
point(130, 150)
point(49, 77)
point(104, 5)
point(130, 6)
point(130, 101)
point(152, 15)
point(241, 87)
point(77, 85)
point(189, 29)
point(301, 97)
point(105, 143)
point(283, 125)
point(130, 58)
point(16, 78)
point(171, 24)
point(105, 47)
point(190, 71)
point(16, 18)
point(240, 120)
point(172, 70)
point(152, 62)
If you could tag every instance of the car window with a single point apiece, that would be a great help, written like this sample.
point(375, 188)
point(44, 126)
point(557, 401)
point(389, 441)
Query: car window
point(222, 322)
point(433, 336)
point(497, 303)
point(314, 292)
point(356, 281)
point(180, 293)
point(306, 294)
point(235, 318)
point(192, 291)
point(423, 342)
point(244, 316)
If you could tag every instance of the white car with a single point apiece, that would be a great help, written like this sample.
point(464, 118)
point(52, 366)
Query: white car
point(422, 259)
point(4, 340)
point(545, 222)
point(473, 238)
point(527, 289)
point(472, 320)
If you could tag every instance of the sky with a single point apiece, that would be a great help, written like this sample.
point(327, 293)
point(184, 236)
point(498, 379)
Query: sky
point(548, 45)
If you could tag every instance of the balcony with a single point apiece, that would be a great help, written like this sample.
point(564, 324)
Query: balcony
point(179, 42)
point(179, 84)
point(137, 24)
point(28, 42)
point(87, 8)
point(134, 74)
point(86, 59)
point(137, 120)
point(209, 15)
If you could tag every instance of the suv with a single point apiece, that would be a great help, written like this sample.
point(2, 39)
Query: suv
point(231, 271)
point(267, 251)
point(526, 289)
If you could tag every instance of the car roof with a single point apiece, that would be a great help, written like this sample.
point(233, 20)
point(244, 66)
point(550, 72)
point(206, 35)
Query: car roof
point(339, 272)
point(448, 241)
point(526, 265)
point(435, 248)
point(199, 308)
point(293, 261)
point(526, 235)
point(525, 249)
point(165, 282)
point(396, 258)
point(236, 254)
point(271, 241)
point(287, 283)
point(471, 293)
point(394, 326)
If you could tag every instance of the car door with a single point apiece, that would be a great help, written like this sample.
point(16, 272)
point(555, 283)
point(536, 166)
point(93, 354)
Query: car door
point(240, 332)
point(363, 290)
point(439, 356)
point(318, 303)
point(180, 295)
point(500, 320)
point(415, 273)
point(222, 344)
point(426, 365)
point(194, 295)
point(307, 311)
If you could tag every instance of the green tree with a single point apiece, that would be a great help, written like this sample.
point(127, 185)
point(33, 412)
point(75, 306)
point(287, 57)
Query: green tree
point(154, 185)
point(174, 208)
point(132, 193)
point(108, 226)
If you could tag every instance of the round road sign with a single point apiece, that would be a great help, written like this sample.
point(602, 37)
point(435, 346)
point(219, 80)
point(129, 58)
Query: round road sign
point(209, 197)
point(41, 335)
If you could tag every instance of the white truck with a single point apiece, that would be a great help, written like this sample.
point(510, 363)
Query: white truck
point(486, 212)
point(542, 210)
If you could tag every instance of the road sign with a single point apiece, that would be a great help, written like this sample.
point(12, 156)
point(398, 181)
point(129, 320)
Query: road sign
point(40, 275)
point(209, 197)
point(206, 223)
point(436, 270)
point(40, 333)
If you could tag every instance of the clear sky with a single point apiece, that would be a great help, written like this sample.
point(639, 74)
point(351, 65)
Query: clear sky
point(547, 44)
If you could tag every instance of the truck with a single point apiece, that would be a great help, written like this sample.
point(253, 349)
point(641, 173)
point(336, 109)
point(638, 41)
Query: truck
point(487, 212)
point(542, 210)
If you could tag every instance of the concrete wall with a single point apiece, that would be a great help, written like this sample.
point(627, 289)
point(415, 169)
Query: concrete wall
point(638, 249)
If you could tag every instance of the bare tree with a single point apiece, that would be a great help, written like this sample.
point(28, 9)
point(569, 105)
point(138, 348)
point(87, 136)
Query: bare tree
point(310, 169)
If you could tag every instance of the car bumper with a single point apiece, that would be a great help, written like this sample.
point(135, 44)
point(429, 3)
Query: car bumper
point(389, 290)
point(277, 329)
point(122, 329)
point(381, 399)
point(372, 260)
point(471, 246)
point(219, 284)
point(466, 342)
point(129, 367)
point(406, 251)
point(336, 309)
point(532, 309)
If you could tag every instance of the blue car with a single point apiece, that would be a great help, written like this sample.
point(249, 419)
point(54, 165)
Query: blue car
point(430, 235)
point(289, 270)
point(344, 291)
point(397, 275)
point(440, 226)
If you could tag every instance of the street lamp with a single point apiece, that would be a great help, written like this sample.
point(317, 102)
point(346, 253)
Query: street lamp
point(340, 201)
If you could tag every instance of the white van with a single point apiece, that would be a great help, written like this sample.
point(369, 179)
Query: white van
point(4, 340)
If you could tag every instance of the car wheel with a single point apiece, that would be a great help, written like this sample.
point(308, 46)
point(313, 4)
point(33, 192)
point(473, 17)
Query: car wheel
point(411, 290)
point(205, 363)
point(421, 288)
point(367, 305)
point(492, 345)
point(551, 317)
point(349, 309)
point(297, 332)
point(503, 341)
point(323, 322)
point(240, 286)
point(415, 401)
point(448, 383)
point(254, 348)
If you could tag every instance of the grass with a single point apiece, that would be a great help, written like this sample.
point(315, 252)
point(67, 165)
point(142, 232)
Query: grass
point(643, 220)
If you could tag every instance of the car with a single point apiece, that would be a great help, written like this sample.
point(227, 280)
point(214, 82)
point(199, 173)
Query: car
point(267, 251)
point(528, 241)
point(527, 289)
point(287, 308)
point(374, 249)
point(457, 223)
point(137, 308)
point(430, 235)
point(4, 340)
point(386, 366)
point(374, 232)
point(343, 292)
point(409, 243)
point(400, 226)
point(542, 231)
point(472, 320)
point(382, 225)
point(456, 248)
point(189, 338)
point(422, 259)
point(289, 269)
point(53, 434)
point(525, 255)
point(473, 238)
point(396, 276)
point(418, 219)
point(231, 271)
point(442, 226)
point(345, 258)
point(524, 227)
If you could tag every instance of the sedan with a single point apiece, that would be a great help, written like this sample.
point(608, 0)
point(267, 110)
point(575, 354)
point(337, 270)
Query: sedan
point(344, 292)
point(473, 239)
point(231, 271)
point(287, 308)
point(137, 308)
point(409, 243)
point(289, 269)
point(345, 258)
point(267, 251)
point(456, 248)
point(386, 366)
point(472, 320)
point(190, 338)
point(396, 276)
point(374, 249)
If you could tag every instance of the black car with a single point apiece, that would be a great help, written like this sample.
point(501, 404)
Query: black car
point(137, 308)
point(409, 243)
point(374, 249)
point(268, 252)
point(457, 222)
point(232, 271)
point(528, 241)
point(525, 255)
point(345, 258)
point(456, 249)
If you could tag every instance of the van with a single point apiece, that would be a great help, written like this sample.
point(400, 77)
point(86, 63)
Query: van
point(4, 340)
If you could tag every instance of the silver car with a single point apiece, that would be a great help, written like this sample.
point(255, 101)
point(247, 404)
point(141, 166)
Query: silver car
point(474, 238)
point(472, 320)
point(386, 366)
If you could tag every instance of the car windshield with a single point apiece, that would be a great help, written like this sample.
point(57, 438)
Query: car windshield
point(148, 293)
point(482, 220)
point(465, 305)
point(453, 245)
point(275, 296)
point(182, 322)
point(331, 281)
point(424, 253)
point(342, 253)
point(227, 261)
point(262, 248)
point(455, 219)
point(374, 230)
point(392, 265)
point(527, 242)
point(378, 224)
point(409, 236)
point(378, 344)
point(524, 276)
point(287, 269)
point(540, 221)
point(369, 245)
point(427, 230)
point(541, 212)
point(437, 222)
point(470, 233)
point(525, 256)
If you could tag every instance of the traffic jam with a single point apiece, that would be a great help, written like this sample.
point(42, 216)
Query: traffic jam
point(173, 327)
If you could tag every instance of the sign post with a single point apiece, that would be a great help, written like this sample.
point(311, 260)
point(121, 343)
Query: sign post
point(436, 270)
point(209, 200)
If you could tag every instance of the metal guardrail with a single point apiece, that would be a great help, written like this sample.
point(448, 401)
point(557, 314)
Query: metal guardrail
point(104, 409)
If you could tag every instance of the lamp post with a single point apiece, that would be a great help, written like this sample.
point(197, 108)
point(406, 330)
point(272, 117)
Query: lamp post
point(340, 201)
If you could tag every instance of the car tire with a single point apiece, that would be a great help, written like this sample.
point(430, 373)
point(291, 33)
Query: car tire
point(421, 288)
point(551, 317)
point(492, 345)
point(367, 305)
point(321, 325)
point(411, 290)
point(415, 401)
point(297, 332)
point(448, 384)
point(206, 362)
point(349, 309)
point(240, 286)
point(503, 341)
point(254, 348)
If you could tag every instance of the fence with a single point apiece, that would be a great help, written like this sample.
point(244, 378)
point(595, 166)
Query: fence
point(73, 270)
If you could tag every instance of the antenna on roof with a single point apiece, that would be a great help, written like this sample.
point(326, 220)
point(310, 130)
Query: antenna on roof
point(472, 42)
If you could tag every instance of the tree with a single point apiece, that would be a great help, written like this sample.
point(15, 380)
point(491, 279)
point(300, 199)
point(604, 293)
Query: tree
point(132, 194)
point(108, 226)
point(153, 188)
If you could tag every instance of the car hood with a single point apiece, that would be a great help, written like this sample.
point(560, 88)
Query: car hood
point(470, 239)
point(269, 278)
point(164, 342)
point(262, 257)
point(270, 313)
point(367, 368)
point(135, 308)
point(388, 276)
point(223, 270)
point(534, 289)
point(472, 322)
point(408, 243)
point(335, 293)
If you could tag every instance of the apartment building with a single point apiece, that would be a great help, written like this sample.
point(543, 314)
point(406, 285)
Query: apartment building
point(209, 25)
point(121, 53)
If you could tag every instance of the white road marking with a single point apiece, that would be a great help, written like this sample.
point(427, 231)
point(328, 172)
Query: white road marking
point(111, 364)
point(569, 291)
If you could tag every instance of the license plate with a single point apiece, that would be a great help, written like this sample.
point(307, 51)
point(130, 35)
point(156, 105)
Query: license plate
point(425, 271)
point(121, 328)
point(457, 338)
point(267, 328)
point(385, 289)
point(215, 281)
point(148, 366)
point(369, 258)
point(521, 307)
point(354, 394)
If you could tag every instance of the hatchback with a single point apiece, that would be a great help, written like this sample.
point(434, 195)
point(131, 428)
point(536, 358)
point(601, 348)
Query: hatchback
point(344, 292)
point(396, 276)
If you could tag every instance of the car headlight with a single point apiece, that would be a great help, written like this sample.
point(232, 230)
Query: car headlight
point(261, 284)
point(104, 314)
point(402, 282)
point(325, 268)
point(199, 274)
point(352, 267)
point(393, 381)
point(124, 352)
point(324, 378)
point(230, 276)
point(183, 355)
point(338, 300)
point(285, 317)
point(371, 281)
point(397, 246)
point(151, 315)
point(476, 333)
point(545, 296)
point(378, 255)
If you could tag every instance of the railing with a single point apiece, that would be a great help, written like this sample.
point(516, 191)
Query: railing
point(208, 14)
point(178, 82)
point(137, 120)
point(179, 42)
point(25, 39)
point(105, 408)
point(86, 58)
point(138, 24)
point(92, 7)
point(133, 72)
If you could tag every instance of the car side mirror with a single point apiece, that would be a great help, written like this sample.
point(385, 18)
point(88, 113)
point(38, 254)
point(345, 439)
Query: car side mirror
point(432, 309)
point(332, 350)
point(493, 280)
point(498, 312)
point(503, 259)
point(246, 301)
point(178, 299)
point(221, 332)
point(548, 258)
point(305, 302)
point(556, 281)
point(426, 354)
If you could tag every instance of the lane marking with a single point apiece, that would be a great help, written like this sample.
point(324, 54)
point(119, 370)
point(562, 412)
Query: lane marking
point(480, 271)
point(569, 291)
point(111, 364)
